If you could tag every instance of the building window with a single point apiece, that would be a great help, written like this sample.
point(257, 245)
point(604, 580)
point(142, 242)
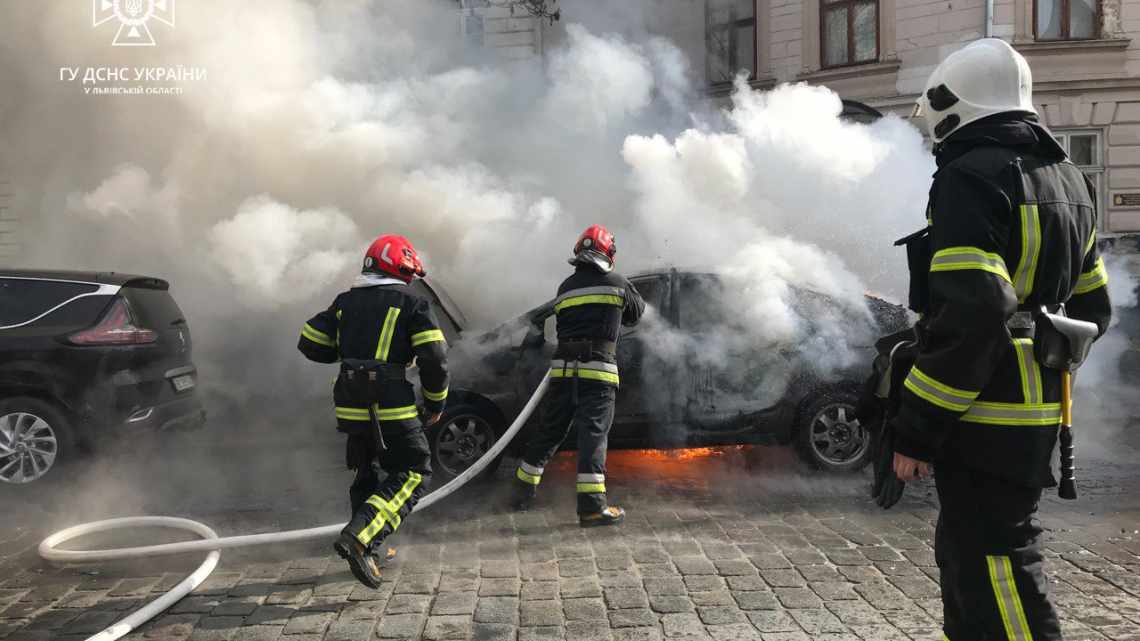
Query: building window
point(1086, 151)
point(1066, 19)
point(730, 39)
point(849, 32)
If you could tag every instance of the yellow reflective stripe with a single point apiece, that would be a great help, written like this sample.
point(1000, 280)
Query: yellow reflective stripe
point(591, 374)
point(1008, 600)
point(1092, 241)
point(592, 299)
point(382, 414)
point(352, 414)
point(527, 477)
point(397, 413)
point(964, 258)
point(317, 336)
point(1014, 414)
point(1096, 278)
point(435, 396)
point(938, 393)
point(389, 511)
point(386, 334)
point(427, 336)
point(1030, 371)
point(1030, 251)
point(591, 488)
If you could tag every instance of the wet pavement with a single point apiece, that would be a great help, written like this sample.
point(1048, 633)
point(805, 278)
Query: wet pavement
point(722, 544)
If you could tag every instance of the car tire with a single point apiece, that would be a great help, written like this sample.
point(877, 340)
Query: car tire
point(36, 439)
point(459, 438)
point(829, 437)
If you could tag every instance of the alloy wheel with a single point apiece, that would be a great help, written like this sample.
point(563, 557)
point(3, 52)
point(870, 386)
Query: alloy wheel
point(836, 434)
point(461, 442)
point(28, 447)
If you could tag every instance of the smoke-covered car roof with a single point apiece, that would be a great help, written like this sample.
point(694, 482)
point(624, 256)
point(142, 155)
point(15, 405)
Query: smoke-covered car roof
point(103, 278)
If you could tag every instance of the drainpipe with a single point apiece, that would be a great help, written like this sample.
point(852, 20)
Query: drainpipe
point(989, 18)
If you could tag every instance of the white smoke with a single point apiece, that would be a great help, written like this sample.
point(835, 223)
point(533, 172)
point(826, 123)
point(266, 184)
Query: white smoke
point(257, 190)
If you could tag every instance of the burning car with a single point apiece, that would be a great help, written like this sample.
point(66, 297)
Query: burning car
point(796, 392)
point(84, 355)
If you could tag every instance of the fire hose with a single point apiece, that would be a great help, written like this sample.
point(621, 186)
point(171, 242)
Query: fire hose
point(212, 544)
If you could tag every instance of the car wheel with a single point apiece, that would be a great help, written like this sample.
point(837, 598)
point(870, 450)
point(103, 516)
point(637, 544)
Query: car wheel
point(829, 436)
point(35, 437)
point(459, 438)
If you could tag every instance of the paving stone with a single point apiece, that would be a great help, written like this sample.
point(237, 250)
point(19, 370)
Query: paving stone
point(657, 570)
point(632, 618)
point(440, 628)
point(499, 587)
point(548, 633)
point(288, 597)
point(309, 623)
point(704, 583)
point(683, 624)
point(621, 598)
point(580, 587)
point(497, 610)
point(833, 591)
point(171, 626)
point(756, 600)
point(694, 565)
point(712, 598)
point(588, 609)
point(400, 626)
point(770, 561)
point(540, 590)
point(782, 578)
point(540, 571)
point(270, 615)
point(772, 621)
point(349, 629)
point(882, 595)
point(637, 634)
point(541, 613)
point(734, 632)
point(670, 604)
point(816, 622)
point(588, 631)
point(664, 586)
point(408, 604)
point(720, 615)
point(454, 603)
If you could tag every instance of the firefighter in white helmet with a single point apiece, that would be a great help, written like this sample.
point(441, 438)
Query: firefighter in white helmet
point(1011, 231)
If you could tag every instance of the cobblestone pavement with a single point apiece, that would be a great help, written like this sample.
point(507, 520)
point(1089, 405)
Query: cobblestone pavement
point(725, 545)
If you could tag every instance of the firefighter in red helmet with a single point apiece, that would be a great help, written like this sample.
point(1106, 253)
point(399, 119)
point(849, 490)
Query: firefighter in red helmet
point(374, 330)
point(591, 306)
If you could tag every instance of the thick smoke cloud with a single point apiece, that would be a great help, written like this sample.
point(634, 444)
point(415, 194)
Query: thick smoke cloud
point(329, 123)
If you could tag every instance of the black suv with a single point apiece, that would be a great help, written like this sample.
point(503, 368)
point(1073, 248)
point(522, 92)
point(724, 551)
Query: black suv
point(83, 353)
point(673, 392)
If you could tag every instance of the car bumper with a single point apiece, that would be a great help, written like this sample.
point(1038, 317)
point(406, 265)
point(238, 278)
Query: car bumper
point(180, 414)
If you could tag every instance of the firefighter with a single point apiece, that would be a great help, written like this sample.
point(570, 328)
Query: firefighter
point(1011, 229)
point(591, 306)
point(375, 329)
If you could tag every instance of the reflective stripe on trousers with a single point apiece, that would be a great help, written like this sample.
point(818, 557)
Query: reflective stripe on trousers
point(587, 370)
point(388, 512)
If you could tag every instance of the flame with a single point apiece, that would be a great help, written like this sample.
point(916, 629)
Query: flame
point(679, 454)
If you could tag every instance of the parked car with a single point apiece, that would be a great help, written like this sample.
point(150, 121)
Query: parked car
point(85, 357)
point(782, 393)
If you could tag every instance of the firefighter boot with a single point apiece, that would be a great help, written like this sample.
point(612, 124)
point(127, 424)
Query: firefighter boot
point(523, 496)
point(364, 565)
point(611, 515)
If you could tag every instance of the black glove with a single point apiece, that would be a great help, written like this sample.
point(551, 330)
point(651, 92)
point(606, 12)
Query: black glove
point(887, 488)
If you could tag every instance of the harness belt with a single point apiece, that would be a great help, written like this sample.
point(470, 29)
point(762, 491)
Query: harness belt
point(586, 349)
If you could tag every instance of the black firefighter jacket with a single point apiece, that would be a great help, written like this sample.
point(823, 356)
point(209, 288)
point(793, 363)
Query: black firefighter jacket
point(386, 323)
point(592, 305)
point(1012, 226)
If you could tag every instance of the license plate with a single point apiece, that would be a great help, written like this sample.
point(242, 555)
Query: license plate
point(183, 383)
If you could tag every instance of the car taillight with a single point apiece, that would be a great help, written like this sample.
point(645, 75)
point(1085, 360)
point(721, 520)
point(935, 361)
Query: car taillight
point(116, 328)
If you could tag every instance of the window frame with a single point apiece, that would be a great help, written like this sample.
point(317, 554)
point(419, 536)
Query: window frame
point(1097, 171)
point(733, 25)
point(824, 5)
point(1066, 17)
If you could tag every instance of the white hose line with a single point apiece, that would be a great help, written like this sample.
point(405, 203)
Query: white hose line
point(212, 544)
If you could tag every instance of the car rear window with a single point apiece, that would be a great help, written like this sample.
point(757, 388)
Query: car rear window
point(22, 300)
point(153, 308)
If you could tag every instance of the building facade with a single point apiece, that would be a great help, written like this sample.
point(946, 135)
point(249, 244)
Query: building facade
point(1084, 54)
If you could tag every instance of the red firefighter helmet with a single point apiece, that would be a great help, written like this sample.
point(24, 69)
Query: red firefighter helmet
point(596, 247)
point(394, 256)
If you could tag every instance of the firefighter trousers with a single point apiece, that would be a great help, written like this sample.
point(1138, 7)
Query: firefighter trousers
point(988, 549)
point(589, 409)
point(380, 506)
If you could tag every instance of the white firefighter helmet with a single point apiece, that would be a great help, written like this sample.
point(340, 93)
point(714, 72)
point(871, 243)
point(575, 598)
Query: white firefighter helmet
point(984, 78)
